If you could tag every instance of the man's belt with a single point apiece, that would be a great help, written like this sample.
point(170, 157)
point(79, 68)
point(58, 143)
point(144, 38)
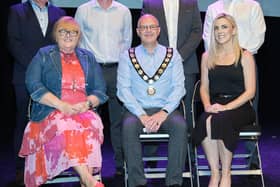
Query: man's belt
point(108, 64)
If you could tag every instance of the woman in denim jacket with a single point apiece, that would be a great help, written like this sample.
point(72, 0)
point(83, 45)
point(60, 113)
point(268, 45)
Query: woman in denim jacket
point(65, 83)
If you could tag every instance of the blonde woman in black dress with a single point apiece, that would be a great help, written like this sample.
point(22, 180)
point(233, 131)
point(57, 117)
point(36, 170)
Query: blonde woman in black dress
point(227, 85)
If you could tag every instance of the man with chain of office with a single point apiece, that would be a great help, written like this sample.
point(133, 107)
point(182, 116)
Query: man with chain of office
point(150, 83)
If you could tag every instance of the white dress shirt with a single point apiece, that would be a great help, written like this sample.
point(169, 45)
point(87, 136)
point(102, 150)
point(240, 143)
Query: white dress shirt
point(42, 16)
point(249, 19)
point(171, 10)
point(106, 33)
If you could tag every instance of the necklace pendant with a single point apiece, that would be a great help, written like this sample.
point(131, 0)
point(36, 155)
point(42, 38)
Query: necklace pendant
point(151, 90)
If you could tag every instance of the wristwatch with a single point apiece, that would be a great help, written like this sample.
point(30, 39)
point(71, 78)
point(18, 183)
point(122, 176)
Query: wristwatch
point(164, 110)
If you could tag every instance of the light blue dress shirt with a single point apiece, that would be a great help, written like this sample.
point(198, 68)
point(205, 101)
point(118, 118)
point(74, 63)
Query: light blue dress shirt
point(106, 33)
point(42, 16)
point(132, 89)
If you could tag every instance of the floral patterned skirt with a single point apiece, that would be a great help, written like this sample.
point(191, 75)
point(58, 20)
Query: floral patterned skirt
point(60, 142)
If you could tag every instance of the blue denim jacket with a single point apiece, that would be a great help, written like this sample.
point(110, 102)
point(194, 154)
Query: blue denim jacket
point(44, 74)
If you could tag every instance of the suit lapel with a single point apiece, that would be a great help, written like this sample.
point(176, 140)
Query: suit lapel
point(33, 19)
point(50, 20)
point(161, 18)
point(180, 15)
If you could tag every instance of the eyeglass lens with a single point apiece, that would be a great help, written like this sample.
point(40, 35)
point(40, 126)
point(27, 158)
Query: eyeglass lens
point(64, 32)
point(146, 27)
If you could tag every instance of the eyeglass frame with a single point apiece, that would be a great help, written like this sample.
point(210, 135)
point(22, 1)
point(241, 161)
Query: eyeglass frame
point(65, 32)
point(148, 27)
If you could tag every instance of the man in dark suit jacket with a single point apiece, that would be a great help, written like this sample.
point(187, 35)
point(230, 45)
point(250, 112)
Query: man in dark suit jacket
point(26, 34)
point(189, 35)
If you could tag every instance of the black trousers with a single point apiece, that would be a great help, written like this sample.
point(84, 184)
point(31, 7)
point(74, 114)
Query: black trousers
point(22, 101)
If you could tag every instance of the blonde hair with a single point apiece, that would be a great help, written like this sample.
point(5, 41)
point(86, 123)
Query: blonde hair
point(214, 46)
point(66, 22)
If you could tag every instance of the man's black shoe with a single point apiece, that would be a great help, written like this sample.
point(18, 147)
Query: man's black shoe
point(254, 166)
point(175, 185)
point(19, 178)
point(119, 172)
point(142, 185)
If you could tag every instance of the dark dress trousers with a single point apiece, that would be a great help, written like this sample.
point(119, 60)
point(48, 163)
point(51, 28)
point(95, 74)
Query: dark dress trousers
point(25, 37)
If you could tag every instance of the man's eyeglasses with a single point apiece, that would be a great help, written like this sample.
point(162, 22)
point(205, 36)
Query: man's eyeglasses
point(147, 27)
point(64, 33)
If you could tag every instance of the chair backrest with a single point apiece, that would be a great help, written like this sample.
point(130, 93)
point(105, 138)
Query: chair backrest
point(197, 107)
point(29, 108)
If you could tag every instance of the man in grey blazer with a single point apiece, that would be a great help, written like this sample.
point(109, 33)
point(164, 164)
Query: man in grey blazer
point(181, 28)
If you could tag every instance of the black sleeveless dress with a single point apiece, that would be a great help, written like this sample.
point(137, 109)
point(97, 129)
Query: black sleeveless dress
point(226, 82)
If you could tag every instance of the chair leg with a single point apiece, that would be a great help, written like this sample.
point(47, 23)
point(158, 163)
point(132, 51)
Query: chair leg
point(196, 167)
point(125, 175)
point(190, 164)
point(260, 163)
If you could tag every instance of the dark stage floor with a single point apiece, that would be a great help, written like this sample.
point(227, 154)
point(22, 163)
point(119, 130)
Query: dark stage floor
point(269, 146)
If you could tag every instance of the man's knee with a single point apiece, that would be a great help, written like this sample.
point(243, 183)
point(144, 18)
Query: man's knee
point(130, 126)
point(179, 126)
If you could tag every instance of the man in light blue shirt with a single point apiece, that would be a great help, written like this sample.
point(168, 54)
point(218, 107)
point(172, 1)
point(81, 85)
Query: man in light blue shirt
point(150, 83)
point(106, 27)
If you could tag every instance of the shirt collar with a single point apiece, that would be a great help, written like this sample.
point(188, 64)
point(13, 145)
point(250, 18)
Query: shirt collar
point(146, 51)
point(97, 5)
point(35, 5)
point(229, 1)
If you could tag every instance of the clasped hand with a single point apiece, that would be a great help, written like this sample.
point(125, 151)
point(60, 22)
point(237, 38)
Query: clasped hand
point(215, 108)
point(71, 109)
point(152, 123)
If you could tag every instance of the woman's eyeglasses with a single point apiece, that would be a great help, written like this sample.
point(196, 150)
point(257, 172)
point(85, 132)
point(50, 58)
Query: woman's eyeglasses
point(64, 33)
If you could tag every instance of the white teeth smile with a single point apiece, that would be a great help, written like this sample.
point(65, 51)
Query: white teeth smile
point(221, 36)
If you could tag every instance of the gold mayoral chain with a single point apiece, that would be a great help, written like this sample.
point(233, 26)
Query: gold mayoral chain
point(150, 80)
